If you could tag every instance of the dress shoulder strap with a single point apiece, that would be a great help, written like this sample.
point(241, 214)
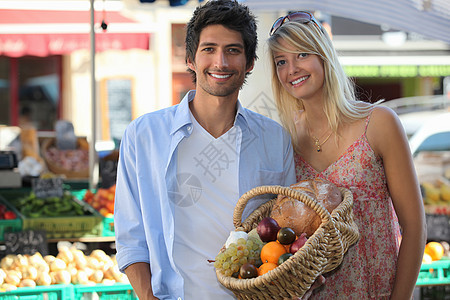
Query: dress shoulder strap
point(367, 121)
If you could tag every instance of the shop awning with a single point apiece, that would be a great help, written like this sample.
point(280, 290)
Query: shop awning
point(57, 32)
point(430, 18)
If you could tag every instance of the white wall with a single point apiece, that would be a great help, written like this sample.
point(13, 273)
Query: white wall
point(152, 69)
point(136, 64)
point(257, 93)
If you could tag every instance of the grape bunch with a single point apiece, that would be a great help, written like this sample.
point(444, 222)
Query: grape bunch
point(230, 261)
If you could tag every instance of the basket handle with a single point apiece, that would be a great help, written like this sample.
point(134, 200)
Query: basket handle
point(279, 190)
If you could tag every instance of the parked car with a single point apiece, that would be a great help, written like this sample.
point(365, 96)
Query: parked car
point(413, 121)
point(415, 111)
point(433, 135)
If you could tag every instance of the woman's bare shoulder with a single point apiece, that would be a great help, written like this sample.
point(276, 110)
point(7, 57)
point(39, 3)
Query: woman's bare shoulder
point(384, 115)
point(384, 128)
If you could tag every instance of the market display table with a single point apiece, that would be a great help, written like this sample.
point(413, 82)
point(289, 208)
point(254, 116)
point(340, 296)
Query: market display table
point(121, 291)
point(434, 280)
point(435, 273)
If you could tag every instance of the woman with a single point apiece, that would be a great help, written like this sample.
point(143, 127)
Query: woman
point(357, 145)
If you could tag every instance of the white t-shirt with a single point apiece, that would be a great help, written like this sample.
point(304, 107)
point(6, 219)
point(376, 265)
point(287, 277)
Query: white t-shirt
point(207, 175)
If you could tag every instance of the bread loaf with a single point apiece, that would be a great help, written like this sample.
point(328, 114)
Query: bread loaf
point(301, 218)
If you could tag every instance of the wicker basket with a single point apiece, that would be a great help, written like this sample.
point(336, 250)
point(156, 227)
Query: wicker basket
point(322, 252)
point(82, 144)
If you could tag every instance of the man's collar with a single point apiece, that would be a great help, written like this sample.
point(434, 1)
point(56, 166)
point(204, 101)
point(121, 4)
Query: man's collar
point(182, 117)
point(241, 116)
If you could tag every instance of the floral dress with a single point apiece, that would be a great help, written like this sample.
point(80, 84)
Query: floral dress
point(368, 268)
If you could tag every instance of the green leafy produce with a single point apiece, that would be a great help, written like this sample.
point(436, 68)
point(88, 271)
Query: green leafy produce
point(34, 207)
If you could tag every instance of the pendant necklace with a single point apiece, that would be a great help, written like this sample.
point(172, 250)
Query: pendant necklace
point(315, 139)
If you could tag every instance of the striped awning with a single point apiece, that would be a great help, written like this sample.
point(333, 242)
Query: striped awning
point(430, 18)
point(43, 32)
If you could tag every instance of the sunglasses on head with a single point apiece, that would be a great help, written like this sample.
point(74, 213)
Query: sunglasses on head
point(303, 17)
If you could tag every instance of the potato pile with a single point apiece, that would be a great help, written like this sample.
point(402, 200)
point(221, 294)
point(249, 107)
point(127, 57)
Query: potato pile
point(70, 265)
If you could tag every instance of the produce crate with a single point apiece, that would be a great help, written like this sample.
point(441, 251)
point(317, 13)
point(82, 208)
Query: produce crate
point(107, 223)
point(437, 209)
point(13, 225)
point(435, 273)
point(72, 184)
point(108, 227)
point(117, 291)
point(64, 226)
point(51, 292)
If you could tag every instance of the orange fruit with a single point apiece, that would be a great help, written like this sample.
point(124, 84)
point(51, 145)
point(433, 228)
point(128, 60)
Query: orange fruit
point(271, 251)
point(287, 247)
point(266, 267)
point(435, 250)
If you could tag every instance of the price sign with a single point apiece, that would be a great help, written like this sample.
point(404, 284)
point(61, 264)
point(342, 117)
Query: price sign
point(108, 173)
point(26, 242)
point(117, 111)
point(49, 187)
point(438, 227)
point(108, 169)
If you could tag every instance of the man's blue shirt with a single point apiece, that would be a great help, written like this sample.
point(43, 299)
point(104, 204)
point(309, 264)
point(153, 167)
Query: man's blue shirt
point(146, 181)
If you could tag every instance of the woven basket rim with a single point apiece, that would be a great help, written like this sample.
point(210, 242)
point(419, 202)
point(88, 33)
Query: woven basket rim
point(277, 189)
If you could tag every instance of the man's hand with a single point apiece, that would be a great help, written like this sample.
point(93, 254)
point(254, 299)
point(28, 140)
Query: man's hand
point(319, 282)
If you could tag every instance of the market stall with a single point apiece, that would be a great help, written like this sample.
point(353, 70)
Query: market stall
point(433, 170)
point(56, 234)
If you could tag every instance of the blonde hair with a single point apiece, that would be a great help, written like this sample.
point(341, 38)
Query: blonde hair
point(340, 104)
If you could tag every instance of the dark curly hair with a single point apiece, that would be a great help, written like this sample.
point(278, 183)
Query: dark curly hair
point(228, 13)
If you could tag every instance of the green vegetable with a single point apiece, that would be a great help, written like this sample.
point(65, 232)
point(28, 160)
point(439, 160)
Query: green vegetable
point(34, 207)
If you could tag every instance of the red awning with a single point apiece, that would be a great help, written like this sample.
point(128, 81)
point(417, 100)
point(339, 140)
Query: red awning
point(52, 32)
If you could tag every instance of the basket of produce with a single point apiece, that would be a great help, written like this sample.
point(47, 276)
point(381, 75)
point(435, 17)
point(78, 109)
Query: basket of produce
point(73, 163)
point(307, 229)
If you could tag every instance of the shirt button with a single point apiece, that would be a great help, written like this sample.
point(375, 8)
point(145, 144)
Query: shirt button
point(179, 298)
point(189, 128)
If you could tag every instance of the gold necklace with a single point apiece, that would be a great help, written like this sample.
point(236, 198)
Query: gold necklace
point(315, 139)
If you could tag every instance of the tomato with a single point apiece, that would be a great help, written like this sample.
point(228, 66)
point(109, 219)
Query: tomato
point(103, 211)
point(112, 189)
point(110, 206)
point(110, 197)
point(95, 204)
point(10, 215)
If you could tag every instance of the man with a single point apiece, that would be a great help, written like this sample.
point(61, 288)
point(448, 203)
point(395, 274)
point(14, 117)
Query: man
point(182, 169)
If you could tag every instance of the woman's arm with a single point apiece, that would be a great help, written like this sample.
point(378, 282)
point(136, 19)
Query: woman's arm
point(389, 141)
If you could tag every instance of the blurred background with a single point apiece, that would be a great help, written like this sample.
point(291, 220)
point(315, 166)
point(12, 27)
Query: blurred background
point(75, 73)
point(392, 50)
point(98, 64)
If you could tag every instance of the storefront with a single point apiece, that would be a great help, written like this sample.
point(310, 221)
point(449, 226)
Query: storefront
point(38, 49)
